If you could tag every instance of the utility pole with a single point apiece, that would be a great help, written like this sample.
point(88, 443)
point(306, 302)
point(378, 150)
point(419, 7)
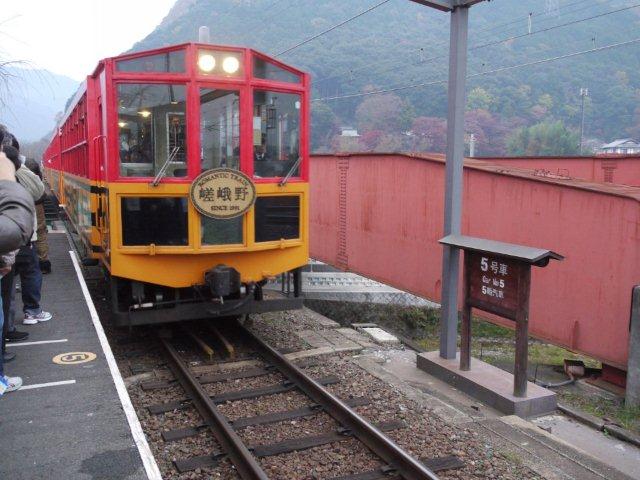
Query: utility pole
point(459, 28)
point(584, 93)
point(472, 145)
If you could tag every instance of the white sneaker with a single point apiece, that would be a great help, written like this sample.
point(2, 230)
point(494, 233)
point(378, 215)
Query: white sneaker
point(30, 319)
point(9, 384)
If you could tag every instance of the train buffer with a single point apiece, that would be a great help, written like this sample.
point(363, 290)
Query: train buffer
point(68, 420)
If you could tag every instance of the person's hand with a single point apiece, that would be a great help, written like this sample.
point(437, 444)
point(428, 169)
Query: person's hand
point(7, 169)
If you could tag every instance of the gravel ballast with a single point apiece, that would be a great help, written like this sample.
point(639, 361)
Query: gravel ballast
point(425, 434)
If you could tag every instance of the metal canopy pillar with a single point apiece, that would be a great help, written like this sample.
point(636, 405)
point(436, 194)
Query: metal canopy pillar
point(453, 180)
point(454, 166)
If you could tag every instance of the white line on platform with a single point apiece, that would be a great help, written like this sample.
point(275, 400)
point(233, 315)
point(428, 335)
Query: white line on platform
point(43, 385)
point(41, 342)
point(150, 465)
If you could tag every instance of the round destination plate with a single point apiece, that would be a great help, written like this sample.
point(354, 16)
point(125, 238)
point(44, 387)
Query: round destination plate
point(222, 193)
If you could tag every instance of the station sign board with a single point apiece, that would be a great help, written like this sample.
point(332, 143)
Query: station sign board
point(494, 283)
point(497, 279)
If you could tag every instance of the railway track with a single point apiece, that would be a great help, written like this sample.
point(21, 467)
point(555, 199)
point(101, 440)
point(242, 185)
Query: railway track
point(395, 462)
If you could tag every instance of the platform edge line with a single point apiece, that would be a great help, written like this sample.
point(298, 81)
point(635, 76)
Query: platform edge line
point(39, 342)
point(148, 460)
point(47, 384)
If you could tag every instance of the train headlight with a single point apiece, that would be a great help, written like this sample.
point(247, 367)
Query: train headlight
point(206, 62)
point(230, 65)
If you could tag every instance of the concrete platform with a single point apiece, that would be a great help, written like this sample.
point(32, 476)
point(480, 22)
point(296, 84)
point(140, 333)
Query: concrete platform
point(70, 420)
point(490, 385)
point(381, 336)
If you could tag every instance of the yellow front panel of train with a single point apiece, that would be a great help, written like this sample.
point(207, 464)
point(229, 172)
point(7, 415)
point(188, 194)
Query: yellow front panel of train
point(157, 236)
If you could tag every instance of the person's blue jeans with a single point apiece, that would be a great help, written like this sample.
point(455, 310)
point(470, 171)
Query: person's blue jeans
point(27, 268)
point(30, 279)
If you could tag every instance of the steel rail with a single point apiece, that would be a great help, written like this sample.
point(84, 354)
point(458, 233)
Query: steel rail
point(406, 466)
point(247, 466)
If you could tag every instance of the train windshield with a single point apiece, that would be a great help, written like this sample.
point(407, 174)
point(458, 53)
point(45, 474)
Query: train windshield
point(276, 134)
point(219, 129)
point(152, 130)
point(220, 148)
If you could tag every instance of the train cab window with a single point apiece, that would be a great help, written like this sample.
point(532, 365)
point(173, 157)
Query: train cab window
point(276, 134)
point(219, 129)
point(152, 130)
point(277, 218)
point(269, 71)
point(157, 220)
point(168, 62)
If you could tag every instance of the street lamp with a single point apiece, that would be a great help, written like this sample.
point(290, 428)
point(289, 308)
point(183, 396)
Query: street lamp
point(454, 165)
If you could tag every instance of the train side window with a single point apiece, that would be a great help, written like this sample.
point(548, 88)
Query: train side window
point(276, 134)
point(219, 129)
point(152, 130)
point(269, 71)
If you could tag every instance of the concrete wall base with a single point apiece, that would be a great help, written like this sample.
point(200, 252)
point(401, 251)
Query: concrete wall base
point(489, 384)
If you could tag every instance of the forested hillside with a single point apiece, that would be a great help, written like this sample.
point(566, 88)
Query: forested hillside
point(402, 44)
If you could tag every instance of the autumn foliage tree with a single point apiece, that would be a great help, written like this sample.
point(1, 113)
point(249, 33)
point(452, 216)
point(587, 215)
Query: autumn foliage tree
point(543, 139)
point(324, 126)
point(389, 113)
point(429, 134)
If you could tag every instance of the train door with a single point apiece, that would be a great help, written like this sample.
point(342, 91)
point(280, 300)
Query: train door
point(101, 184)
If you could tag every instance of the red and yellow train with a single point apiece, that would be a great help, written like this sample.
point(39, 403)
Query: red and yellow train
point(184, 171)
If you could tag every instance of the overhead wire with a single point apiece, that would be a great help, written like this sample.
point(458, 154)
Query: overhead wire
point(488, 72)
point(554, 27)
point(509, 39)
point(317, 82)
point(330, 29)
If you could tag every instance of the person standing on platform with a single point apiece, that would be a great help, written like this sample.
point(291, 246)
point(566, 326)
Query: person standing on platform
point(17, 213)
point(42, 247)
point(27, 263)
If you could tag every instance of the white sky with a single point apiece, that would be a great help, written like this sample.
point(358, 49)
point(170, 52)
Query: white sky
point(69, 37)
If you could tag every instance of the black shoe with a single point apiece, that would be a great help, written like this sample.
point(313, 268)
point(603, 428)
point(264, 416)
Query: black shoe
point(45, 266)
point(16, 336)
point(8, 356)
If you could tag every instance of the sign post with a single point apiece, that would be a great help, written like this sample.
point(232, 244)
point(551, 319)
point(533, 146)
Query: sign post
point(459, 10)
point(497, 280)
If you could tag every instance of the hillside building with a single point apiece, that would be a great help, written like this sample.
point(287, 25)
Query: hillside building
point(624, 146)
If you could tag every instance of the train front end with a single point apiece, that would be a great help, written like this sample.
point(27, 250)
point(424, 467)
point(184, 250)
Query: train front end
point(202, 184)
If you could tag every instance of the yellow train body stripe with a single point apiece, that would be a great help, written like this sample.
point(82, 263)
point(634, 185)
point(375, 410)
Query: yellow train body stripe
point(97, 218)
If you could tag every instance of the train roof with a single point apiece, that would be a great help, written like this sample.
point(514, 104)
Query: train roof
point(181, 46)
point(168, 49)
